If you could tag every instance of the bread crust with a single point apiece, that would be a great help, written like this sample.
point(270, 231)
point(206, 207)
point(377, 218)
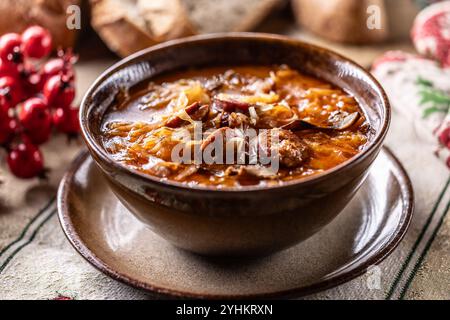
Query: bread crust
point(124, 36)
point(258, 16)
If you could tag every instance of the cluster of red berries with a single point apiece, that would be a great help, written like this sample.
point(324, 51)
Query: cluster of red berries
point(35, 96)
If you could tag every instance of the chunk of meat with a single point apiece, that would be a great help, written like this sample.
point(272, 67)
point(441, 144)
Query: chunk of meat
point(234, 120)
point(164, 169)
point(229, 105)
point(196, 111)
point(256, 171)
point(217, 134)
point(214, 83)
point(186, 172)
point(226, 138)
point(201, 113)
point(292, 152)
point(237, 119)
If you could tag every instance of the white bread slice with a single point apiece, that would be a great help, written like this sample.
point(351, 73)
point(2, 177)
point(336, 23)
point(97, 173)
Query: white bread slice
point(210, 16)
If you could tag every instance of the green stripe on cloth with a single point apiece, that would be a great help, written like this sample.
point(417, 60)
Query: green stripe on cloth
point(25, 229)
point(424, 253)
point(416, 244)
point(3, 266)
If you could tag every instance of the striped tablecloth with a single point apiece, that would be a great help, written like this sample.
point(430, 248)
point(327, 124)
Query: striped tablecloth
point(37, 262)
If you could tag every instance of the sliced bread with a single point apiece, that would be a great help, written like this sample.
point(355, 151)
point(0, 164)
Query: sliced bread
point(127, 26)
point(210, 16)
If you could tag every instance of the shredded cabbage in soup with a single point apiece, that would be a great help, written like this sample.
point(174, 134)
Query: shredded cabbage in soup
point(317, 124)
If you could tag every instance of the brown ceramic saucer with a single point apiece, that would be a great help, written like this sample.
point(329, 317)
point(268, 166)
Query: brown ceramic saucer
point(115, 242)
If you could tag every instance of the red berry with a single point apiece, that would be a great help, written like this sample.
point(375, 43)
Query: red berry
point(5, 105)
point(34, 113)
point(59, 91)
point(66, 120)
point(25, 161)
point(8, 68)
point(37, 136)
point(37, 42)
point(11, 89)
point(52, 68)
point(61, 65)
point(10, 47)
point(31, 80)
point(36, 120)
point(8, 128)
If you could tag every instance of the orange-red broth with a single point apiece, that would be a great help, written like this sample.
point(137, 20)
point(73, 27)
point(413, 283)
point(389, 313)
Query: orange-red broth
point(135, 131)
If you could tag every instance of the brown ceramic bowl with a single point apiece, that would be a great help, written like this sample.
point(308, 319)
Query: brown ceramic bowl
point(251, 220)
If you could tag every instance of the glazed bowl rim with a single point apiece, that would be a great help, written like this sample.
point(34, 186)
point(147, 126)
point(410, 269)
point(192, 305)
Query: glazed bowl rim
point(99, 151)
